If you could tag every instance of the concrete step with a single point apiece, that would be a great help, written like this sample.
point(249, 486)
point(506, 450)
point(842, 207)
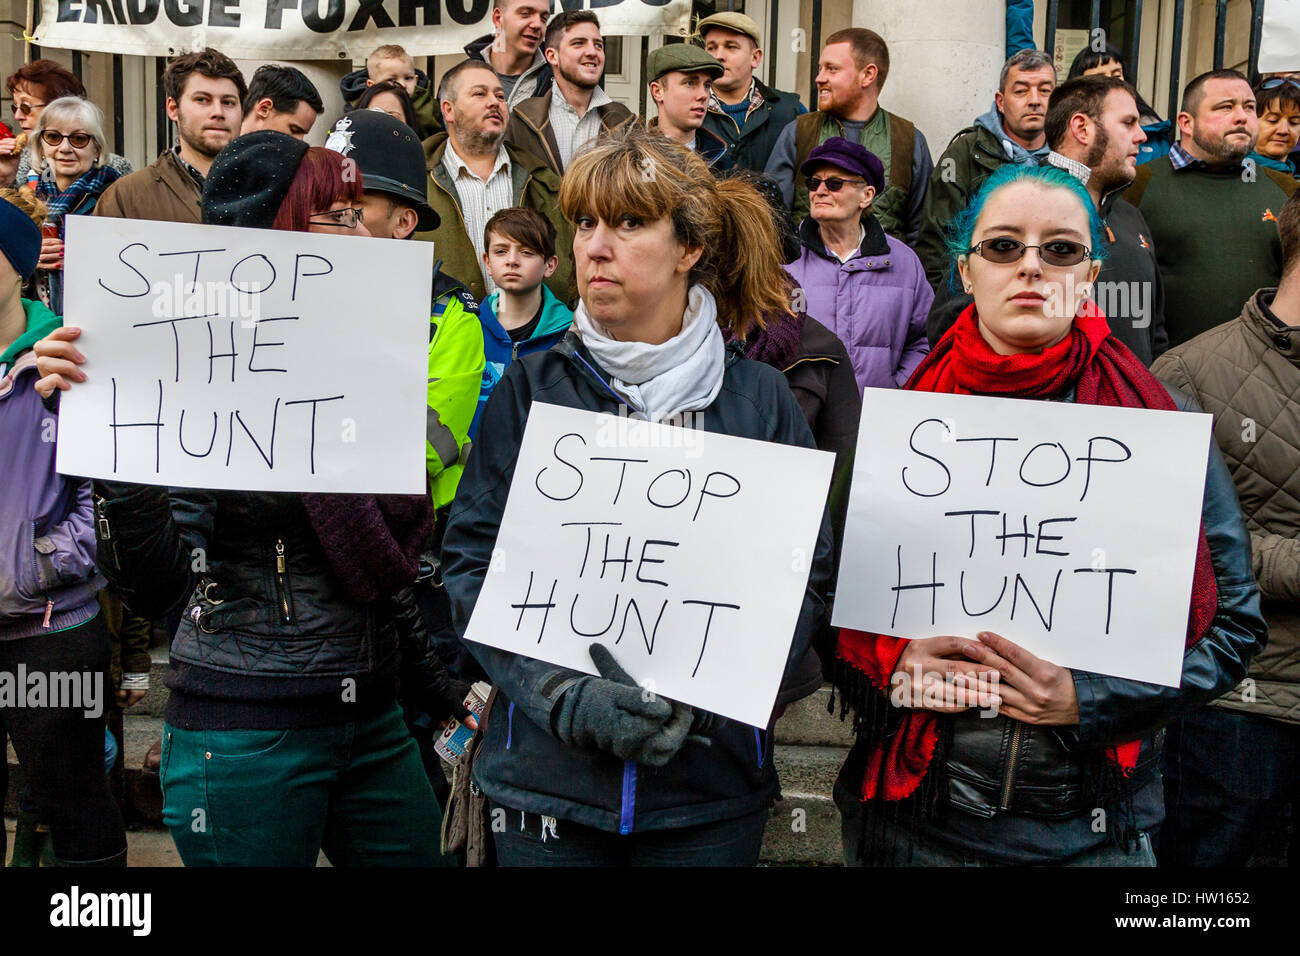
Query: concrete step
point(806, 723)
point(804, 827)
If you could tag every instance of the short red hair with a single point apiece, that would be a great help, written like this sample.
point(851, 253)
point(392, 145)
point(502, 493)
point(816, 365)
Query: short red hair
point(319, 183)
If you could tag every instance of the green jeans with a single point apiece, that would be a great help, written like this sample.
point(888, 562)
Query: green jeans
point(278, 797)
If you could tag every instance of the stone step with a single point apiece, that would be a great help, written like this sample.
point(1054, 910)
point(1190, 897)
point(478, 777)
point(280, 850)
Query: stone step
point(806, 723)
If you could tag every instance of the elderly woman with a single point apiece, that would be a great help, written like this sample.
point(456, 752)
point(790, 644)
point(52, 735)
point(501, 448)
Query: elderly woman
point(941, 783)
point(664, 263)
point(865, 286)
point(33, 87)
point(69, 151)
point(301, 594)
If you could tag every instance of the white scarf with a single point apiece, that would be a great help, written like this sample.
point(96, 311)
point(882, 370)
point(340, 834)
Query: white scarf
point(683, 374)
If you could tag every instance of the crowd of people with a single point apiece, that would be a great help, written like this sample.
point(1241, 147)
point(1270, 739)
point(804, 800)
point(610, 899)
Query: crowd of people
point(742, 255)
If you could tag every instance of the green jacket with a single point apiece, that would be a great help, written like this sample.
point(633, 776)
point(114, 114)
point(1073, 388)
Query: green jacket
point(891, 206)
point(455, 370)
point(755, 142)
point(534, 186)
point(970, 158)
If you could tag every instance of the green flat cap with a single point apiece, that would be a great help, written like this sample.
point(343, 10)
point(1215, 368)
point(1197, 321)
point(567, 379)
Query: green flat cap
point(684, 57)
point(733, 21)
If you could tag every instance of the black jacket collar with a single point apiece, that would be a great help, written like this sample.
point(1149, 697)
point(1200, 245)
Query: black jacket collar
point(874, 243)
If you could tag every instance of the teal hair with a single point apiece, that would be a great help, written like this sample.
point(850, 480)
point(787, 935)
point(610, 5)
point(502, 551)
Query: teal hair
point(962, 226)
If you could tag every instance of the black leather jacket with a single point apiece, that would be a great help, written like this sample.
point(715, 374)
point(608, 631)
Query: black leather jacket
point(268, 637)
point(1018, 788)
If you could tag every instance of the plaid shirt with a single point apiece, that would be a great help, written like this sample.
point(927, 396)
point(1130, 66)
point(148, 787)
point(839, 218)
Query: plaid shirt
point(479, 200)
point(198, 176)
point(755, 100)
point(572, 131)
point(1071, 166)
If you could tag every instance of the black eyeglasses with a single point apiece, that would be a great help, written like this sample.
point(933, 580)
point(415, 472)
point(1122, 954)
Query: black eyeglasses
point(348, 217)
point(1058, 252)
point(833, 183)
point(52, 137)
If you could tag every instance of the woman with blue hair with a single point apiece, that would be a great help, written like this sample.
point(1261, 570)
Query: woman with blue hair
point(1066, 770)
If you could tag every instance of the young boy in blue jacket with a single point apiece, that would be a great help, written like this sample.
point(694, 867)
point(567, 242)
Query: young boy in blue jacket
point(522, 316)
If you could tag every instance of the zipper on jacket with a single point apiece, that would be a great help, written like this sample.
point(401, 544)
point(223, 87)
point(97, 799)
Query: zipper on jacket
point(1009, 775)
point(105, 531)
point(282, 583)
point(628, 811)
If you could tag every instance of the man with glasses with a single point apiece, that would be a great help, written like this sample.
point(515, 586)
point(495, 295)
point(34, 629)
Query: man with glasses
point(864, 285)
point(1214, 216)
point(205, 93)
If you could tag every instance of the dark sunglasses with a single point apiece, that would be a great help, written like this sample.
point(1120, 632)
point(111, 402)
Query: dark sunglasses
point(1058, 252)
point(833, 183)
point(51, 137)
point(349, 218)
point(27, 109)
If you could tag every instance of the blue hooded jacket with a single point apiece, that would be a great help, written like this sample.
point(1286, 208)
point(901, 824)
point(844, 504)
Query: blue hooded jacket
point(499, 351)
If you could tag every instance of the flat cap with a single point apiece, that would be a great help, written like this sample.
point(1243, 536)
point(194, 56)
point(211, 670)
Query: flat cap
point(683, 57)
point(733, 21)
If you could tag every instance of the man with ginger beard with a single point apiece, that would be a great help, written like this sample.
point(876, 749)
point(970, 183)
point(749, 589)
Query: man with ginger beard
point(474, 173)
point(575, 110)
point(205, 93)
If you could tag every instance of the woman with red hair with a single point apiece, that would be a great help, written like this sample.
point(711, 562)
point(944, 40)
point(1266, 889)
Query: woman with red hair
point(33, 87)
point(282, 732)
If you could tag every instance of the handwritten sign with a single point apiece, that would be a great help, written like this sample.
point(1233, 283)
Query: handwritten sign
point(685, 552)
point(1069, 529)
point(251, 359)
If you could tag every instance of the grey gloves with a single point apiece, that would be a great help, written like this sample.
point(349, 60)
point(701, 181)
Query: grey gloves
point(612, 713)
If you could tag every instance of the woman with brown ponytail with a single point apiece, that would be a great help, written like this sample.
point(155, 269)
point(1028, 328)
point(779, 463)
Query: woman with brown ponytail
point(666, 260)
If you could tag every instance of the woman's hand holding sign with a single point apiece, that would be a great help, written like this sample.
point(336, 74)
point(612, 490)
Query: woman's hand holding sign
point(1032, 690)
point(932, 675)
point(57, 360)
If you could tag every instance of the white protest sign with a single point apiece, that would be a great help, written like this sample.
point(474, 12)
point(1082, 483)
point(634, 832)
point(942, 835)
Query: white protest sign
point(254, 359)
point(1279, 41)
point(683, 551)
point(312, 29)
point(1068, 529)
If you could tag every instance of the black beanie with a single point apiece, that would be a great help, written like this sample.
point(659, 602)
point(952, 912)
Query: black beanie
point(250, 178)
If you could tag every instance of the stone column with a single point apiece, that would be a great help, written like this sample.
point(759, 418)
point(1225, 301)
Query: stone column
point(944, 59)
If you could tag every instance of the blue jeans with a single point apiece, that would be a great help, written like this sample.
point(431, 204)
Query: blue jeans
point(734, 842)
point(278, 797)
point(1228, 777)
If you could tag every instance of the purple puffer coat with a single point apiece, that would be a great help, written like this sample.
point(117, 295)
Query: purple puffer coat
point(48, 579)
point(876, 303)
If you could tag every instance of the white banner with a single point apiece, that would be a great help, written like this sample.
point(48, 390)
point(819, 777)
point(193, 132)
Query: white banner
point(249, 359)
point(685, 552)
point(1279, 44)
point(312, 29)
point(1068, 529)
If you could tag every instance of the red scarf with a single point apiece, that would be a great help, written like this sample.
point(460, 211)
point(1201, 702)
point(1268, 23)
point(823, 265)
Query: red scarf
point(1103, 372)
